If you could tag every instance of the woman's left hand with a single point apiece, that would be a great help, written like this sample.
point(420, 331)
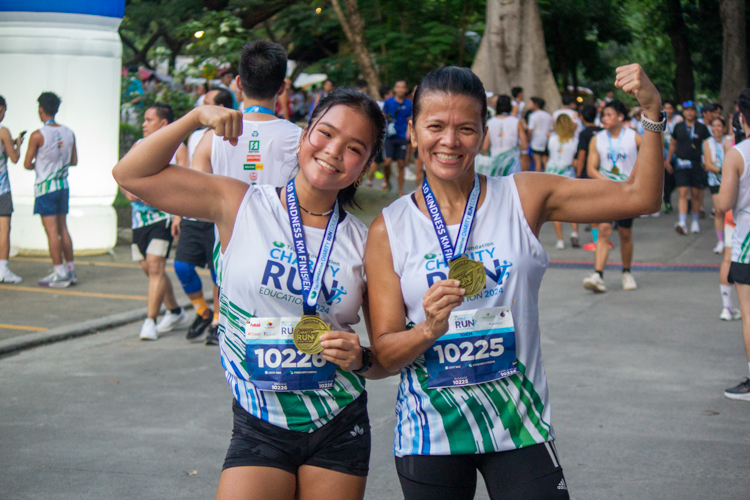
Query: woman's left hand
point(342, 348)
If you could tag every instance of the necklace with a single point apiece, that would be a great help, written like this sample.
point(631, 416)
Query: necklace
point(324, 214)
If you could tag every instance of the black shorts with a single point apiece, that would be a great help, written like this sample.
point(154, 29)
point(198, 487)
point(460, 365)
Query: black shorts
point(623, 223)
point(690, 177)
point(395, 147)
point(342, 445)
point(714, 189)
point(544, 152)
point(154, 239)
point(739, 273)
point(527, 473)
point(6, 204)
point(196, 243)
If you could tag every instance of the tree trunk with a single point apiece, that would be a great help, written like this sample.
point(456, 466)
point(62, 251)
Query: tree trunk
point(512, 52)
point(734, 60)
point(354, 28)
point(684, 82)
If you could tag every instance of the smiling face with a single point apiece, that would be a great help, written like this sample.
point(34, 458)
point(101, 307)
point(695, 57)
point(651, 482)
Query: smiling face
point(717, 129)
point(449, 132)
point(336, 150)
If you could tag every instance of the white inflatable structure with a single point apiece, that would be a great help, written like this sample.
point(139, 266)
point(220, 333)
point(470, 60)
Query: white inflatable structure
point(71, 48)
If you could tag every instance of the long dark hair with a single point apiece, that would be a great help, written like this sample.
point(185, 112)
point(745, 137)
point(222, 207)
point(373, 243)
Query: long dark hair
point(452, 80)
point(360, 102)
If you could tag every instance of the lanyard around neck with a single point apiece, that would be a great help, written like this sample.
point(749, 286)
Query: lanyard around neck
point(259, 109)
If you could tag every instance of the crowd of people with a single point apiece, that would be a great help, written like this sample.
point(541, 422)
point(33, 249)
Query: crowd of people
point(448, 296)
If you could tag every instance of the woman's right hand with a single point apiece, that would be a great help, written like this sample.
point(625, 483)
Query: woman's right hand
point(226, 123)
point(439, 301)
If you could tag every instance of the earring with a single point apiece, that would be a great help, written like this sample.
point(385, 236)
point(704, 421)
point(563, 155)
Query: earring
point(361, 179)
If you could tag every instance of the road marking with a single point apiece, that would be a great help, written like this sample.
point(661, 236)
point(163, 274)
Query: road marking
point(640, 266)
point(128, 265)
point(71, 292)
point(22, 327)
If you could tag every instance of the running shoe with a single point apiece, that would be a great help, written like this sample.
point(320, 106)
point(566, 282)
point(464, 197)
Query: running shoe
point(171, 321)
point(560, 245)
point(719, 248)
point(574, 241)
point(628, 282)
point(595, 283)
point(148, 330)
point(681, 228)
point(695, 227)
point(656, 214)
point(701, 214)
point(213, 335)
point(369, 183)
point(667, 207)
point(198, 328)
point(728, 314)
point(54, 280)
point(73, 277)
point(10, 277)
point(740, 393)
point(590, 246)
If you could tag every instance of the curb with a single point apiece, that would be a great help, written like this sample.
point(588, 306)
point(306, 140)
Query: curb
point(76, 330)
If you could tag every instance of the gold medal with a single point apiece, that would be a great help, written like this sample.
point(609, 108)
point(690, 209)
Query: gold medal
point(470, 273)
point(307, 334)
point(615, 170)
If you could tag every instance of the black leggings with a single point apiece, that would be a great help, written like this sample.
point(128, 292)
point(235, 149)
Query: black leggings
point(533, 472)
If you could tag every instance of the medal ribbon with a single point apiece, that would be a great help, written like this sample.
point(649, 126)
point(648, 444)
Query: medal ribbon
point(451, 252)
point(719, 152)
point(49, 121)
point(311, 285)
point(614, 155)
point(259, 109)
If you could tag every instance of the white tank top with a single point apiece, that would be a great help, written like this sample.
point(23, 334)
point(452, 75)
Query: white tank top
point(503, 131)
point(265, 153)
point(193, 141)
point(716, 149)
point(4, 180)
point(741, 210)
point(261, 279)
point(53, 159)
point(625, 151)
point(560, 155)
point(494, 416)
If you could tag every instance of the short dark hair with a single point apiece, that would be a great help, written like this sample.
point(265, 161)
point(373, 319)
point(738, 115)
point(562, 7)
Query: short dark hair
point(618, 106)
point(384, 89)
point(163, 111)
point(567, 100)
point(262, 69)
point(223, 98)
point(515, 91)
point(588, 113)
point(361, 84)
point(362, 102)
point(2, 102)
point(739, 132)
point(49, 102)
point(228, 71)
point(743, 104)
point(504, 104)
point(708, 107)
point(670, 101)
point(718, 106)
point(538, 101)
point(451, 80)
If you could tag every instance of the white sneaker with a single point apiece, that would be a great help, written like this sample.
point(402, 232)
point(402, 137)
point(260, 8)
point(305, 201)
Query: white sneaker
point(694, 227)
point(560, 245)
point(10, 277)
point(681, 228)
point(54, 280)
point(736, 314)
point(73, 277)
point(726, 314)
point(628, 282)
point(656, 214)
point(171, 321)
point(148, 330)
point(595, 283)
point(719, 248)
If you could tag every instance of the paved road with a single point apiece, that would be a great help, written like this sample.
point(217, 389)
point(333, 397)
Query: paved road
point(636, 382)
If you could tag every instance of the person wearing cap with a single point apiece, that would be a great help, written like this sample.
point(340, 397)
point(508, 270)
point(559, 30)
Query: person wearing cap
point(686, 147)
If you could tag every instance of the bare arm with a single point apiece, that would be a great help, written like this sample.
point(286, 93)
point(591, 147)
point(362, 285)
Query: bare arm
point(523, 139)
point(35, 142)
point(556, 198)
point(146, 173)
point(396, 346)
point(592, 162)
point(670, 154)
point(578, 162)
point(731, 171)
point(202, 155)
point(74, 154)
point(13, 148)
point(707, 162)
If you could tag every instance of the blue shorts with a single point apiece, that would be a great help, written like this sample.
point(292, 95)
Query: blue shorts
point(53, 203)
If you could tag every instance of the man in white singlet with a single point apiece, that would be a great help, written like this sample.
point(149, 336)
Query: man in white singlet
point(612, 154)
point(540, 126)
point(734, 195)
point(51, 151)
point(266, 150)
point(9, 150)
point(152, 240)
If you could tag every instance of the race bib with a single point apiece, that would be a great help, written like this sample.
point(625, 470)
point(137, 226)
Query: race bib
point(480, 346)
point(275, 364)
point(681, 164)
